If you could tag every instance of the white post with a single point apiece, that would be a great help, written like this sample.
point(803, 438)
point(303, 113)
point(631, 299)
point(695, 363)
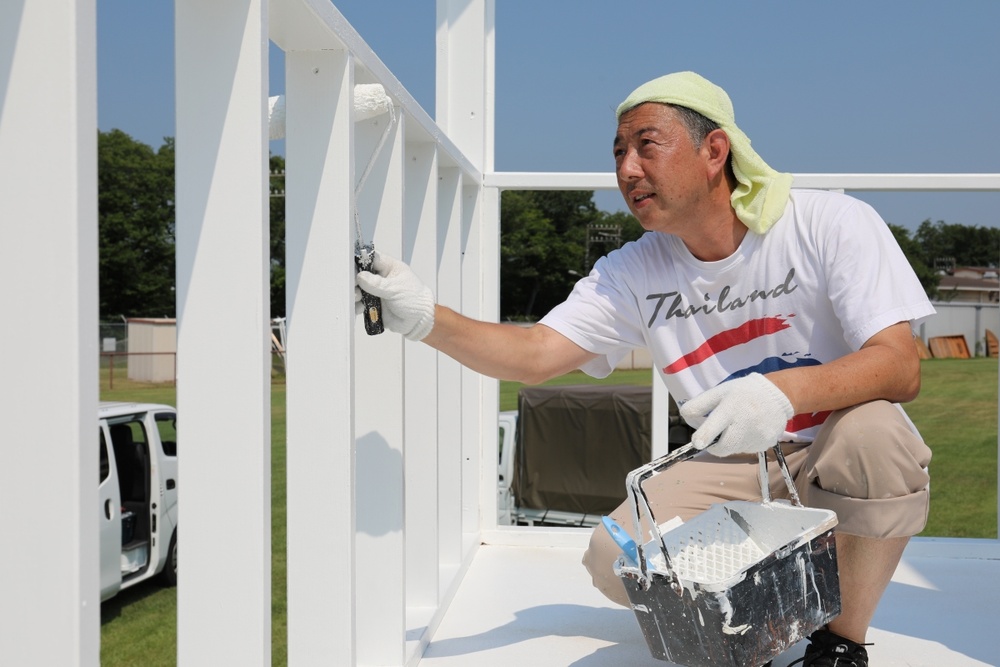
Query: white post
point(223, 333)
point(420, 251)
point(379, 414)
point(449, 280)
point(465, 73)
point(465, 111)
point(479, 393)
point(49, 590)
point(660, 439)
point(319, 265)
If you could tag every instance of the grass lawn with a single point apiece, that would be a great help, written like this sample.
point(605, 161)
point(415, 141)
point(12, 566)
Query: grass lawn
point(956, 413)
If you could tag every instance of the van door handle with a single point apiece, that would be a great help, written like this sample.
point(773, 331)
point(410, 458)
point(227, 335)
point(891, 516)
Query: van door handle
point(107, 508)
point(171, 484)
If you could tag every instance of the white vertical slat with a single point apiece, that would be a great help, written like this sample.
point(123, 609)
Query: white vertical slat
point(319, 287)
point(420, 251)
point(223, 335)
point(475, 387)
point(465, 73)
point(489, 273)
point(464, 108)
point(49, 597)
point(450, 410)
point(378, 382)
point(661, 417)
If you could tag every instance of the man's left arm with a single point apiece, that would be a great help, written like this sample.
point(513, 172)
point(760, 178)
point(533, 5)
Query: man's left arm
point(886, 367)
point(749, 414)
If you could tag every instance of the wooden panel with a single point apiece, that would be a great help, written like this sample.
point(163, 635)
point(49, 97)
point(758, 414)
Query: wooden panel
point(922, 350)
point(992, 345)
point(949, 347)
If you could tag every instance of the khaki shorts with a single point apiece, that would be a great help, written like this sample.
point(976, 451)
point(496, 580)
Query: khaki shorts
point(867, 464)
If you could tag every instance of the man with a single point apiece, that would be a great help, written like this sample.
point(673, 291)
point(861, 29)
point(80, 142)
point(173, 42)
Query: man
point(771, 315)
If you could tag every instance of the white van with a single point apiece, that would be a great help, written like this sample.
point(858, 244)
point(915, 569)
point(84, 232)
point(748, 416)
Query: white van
point(138, 494)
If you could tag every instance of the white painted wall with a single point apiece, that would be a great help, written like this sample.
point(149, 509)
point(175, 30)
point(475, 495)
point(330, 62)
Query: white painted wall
point(49, 599)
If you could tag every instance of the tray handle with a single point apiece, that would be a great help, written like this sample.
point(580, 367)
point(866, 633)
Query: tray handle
point(641, 506)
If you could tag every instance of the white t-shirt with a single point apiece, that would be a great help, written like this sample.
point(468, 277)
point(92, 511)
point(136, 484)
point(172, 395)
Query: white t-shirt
point(822, 281)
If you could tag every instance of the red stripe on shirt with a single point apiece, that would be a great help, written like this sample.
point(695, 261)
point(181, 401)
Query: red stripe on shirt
point(727, 339)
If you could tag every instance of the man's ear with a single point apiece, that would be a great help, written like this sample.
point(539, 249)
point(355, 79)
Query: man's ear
point(717, 144)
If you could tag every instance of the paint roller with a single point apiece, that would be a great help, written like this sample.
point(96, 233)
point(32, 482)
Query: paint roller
point(370, 101)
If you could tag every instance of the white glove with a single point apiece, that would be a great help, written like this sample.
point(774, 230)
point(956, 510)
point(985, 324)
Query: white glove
point(407, 304)
point(747, 415)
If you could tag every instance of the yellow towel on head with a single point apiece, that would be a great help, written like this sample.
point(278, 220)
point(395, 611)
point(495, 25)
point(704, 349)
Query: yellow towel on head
point(761, 192)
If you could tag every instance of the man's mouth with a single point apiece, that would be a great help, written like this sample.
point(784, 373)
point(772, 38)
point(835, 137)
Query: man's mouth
point(641, 198)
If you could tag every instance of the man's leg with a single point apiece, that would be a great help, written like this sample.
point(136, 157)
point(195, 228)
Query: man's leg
point(868, 466)
point(866, 566)
point(685, 490)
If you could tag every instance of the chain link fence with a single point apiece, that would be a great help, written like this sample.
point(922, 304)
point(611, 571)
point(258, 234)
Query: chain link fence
point(116, 357)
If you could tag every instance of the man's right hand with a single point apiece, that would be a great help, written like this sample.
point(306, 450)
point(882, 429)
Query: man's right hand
point(407, 304)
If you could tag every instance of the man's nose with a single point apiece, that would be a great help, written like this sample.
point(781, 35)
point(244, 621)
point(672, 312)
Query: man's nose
point(628, 166)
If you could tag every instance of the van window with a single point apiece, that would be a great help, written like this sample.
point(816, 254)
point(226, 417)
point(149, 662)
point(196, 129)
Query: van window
point(128, 438)
point(105, 465)
point(166, 424)
point(500, 447)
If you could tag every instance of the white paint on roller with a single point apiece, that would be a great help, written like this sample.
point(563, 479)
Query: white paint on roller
point(370, 100)
point(276, 117)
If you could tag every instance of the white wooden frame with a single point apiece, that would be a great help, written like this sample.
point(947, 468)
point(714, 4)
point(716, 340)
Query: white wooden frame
point(391, 446)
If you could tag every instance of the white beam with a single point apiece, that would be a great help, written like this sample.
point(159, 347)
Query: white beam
point(319, 265)
point(223, 333)
point(49, 597)
point(529, 180)
point(379, 416)
point(449, 418)
point(465, 75)
point(420, 251)
point(480, 256)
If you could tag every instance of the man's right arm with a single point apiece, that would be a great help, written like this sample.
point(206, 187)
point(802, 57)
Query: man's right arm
point(505, 351)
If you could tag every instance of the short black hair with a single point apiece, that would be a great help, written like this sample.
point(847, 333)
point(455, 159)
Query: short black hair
point(698, 127)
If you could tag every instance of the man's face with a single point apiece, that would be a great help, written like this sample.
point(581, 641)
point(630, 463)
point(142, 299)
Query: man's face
point(661, 174)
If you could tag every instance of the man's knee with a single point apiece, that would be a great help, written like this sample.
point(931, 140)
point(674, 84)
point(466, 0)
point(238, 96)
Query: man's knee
point(599, 559)
point(870, 467)
point(869, 451)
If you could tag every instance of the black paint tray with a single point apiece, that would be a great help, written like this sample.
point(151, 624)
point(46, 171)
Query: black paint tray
point(736, 585)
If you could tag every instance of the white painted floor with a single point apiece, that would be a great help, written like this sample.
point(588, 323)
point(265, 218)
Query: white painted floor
point(534, 607)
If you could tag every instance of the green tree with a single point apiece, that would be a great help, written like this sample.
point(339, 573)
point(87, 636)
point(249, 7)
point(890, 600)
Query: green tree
point(277, 218)
point(944, 244)
point(136, 227)
point(542, 245)
point(914, 253)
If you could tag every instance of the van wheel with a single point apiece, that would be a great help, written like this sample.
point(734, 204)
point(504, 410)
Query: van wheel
point(169, 574)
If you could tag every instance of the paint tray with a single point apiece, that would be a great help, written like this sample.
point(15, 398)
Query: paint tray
point(737, 584)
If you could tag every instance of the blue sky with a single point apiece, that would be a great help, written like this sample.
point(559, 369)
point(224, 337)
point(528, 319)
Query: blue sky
point(851, 86)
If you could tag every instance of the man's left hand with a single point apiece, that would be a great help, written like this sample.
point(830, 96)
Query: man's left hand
point(747, 415)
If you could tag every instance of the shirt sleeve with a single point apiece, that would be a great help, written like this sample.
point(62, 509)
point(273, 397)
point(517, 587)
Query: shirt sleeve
point(871, 283)
point(601, 314)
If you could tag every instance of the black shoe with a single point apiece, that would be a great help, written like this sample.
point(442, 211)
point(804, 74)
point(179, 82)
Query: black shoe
point(826, 649)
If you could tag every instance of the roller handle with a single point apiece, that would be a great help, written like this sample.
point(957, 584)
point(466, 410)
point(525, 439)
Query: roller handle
point(372, 313)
